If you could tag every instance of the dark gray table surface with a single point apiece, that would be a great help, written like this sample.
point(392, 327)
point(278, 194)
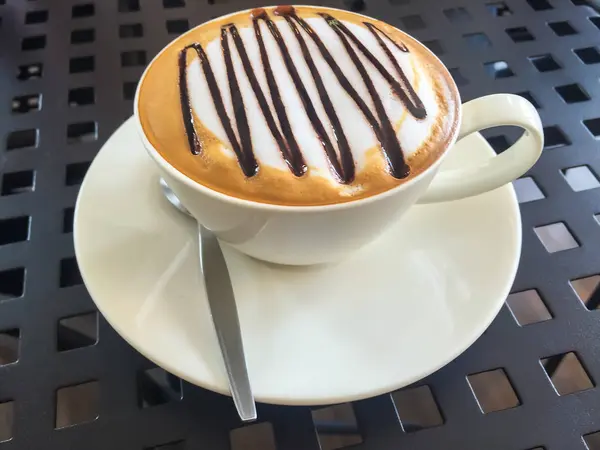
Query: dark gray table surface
point(68, 71)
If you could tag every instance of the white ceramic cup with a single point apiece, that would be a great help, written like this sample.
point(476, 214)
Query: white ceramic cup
point(301, 235)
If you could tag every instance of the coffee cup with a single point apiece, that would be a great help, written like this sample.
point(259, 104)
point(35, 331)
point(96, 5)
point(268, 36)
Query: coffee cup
point(284, 148)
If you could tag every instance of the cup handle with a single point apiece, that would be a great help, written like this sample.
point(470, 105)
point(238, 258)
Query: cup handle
point(481, 113)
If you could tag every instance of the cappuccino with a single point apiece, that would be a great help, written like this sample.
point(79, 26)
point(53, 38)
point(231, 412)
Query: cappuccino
point(298, 106)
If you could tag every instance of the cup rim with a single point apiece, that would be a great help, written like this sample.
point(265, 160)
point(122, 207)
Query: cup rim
point(252, 204)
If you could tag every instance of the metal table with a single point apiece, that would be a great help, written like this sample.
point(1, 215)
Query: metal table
point(68, 71)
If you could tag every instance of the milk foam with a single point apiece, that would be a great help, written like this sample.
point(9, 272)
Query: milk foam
point(412, 133)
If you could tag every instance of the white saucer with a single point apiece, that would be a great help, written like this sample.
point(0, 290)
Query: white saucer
point(388, 316)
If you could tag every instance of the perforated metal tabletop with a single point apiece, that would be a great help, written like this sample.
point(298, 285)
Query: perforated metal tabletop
point(68, 72)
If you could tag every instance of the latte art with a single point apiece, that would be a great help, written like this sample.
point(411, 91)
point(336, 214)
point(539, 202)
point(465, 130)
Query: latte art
point(300, 105)
point(344, 166)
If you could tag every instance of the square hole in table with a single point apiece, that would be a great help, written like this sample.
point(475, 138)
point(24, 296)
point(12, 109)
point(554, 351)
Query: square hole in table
point(458, 15)
point(499, 9)
point(81, 132)
point(129, 88)
point(593, 126)
point(520, 34)
point(9, 347)
point(493, 391)
point(253, 437)
point(68, 216)
point(12, 283)
point(417, 408)
point(527, 190)
point(458, 77)
point(83, 36)
point(126, 6)
point(588, 55)
point(133, 58)
point(412, 22)
point(22, 139)
point(33, 17)
point(587, 290)
point(83, 10)
point(477, 40)
point(527, 307)
point(131, 30)
point(498, 69)
point(498, 143)
point(355, 5)
point(75, 173)
point(554, 137)
point(595, 21)
point(529, 97)
point(173, 3)
point(556, 237)
point(177, 445)
point(26, 103)
point(572, 93)
point(157, 387)
point(580, 178)
point(177, 26)
point(336, 426)
point(7, 414)
point(563, 28)
point(82, 64)
point(435, 46)
point(30, 71)
point(33, 43)
point(540, 5)
point(592, 440)
point(81, 96)
point(18, 182)
point(77, 331)
point(69, 273)
point(566, 373)
point(77, 404)
point(14, 229)
point(544, 63)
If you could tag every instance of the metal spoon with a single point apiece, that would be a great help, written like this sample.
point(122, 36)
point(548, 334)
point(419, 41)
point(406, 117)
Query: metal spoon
point(221, 300)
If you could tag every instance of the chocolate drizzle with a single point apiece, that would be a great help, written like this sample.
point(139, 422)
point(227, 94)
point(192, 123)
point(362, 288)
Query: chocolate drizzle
point(347, 171)
point(414, 104)
point(383, 129)
point(296, 159)
point(308, 105)
point(186, 107)
point(341, 160)
point(247, 161)
point(288, 147)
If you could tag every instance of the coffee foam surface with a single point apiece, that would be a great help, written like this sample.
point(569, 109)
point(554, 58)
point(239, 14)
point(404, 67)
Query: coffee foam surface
point(416, 136)
point(412, 133)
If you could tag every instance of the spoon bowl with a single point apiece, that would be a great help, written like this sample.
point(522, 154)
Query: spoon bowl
point(173, 199)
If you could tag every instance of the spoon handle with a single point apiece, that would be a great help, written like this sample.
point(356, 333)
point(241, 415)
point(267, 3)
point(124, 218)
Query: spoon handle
point(221, 299)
